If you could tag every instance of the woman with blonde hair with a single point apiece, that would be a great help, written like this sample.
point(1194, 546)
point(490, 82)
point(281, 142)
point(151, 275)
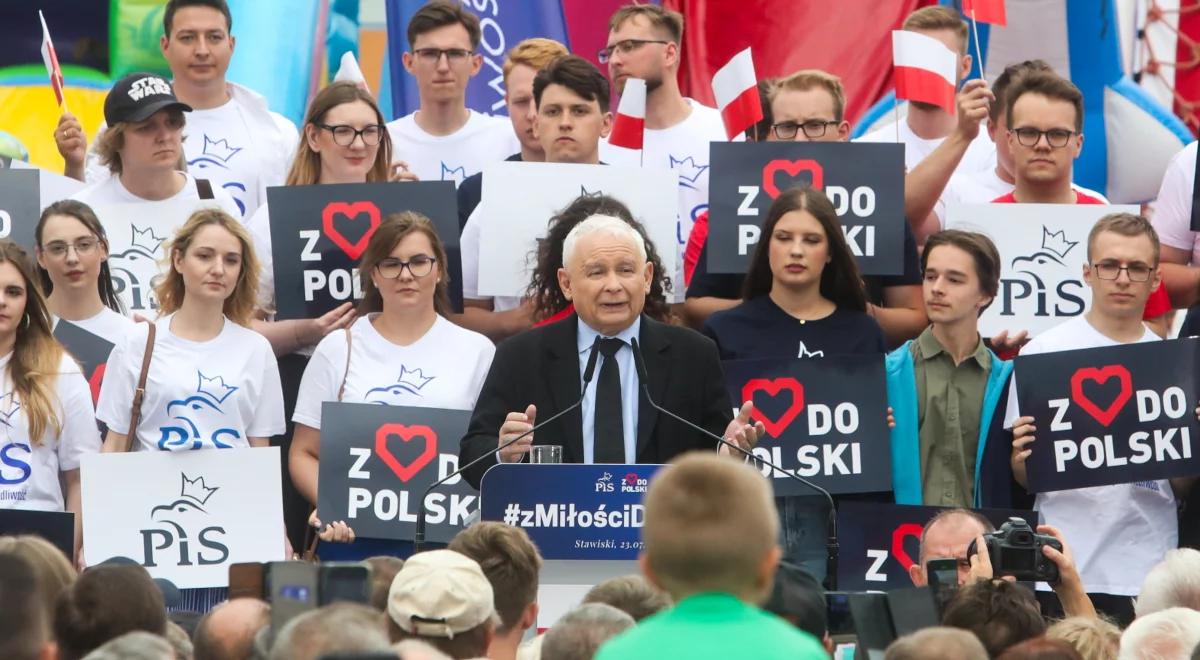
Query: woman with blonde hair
point(46, 418)
point(426, 360)
point(1095, 638)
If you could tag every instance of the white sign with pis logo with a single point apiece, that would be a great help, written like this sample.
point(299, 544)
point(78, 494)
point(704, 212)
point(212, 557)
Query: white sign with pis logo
point(1043, 248)
point(185, 516)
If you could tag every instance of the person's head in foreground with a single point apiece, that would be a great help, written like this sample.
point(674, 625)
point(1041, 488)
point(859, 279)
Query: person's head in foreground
point(937, 643)
point(631, 594)
point(1170, 633)
point(579, 634)
point(798, 598)
point(337, 628)
point(24, 625)
point(1000, 613)
point(137, 645)
point(103, 604)
point(1041, 648)
point(228, 630)
point(511, 562)
point(1093, 638)
point(443, 598)
point(1173, 582)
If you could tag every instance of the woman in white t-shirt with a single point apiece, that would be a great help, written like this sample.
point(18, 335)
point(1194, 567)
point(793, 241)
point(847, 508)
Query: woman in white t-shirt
point(401, 351)
point(72, 260)
point(46, 419)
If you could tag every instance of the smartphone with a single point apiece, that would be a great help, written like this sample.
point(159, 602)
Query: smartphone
point(837, 614)
point(246, 580)
point(942, 576)
point(292, 586)
point(343, 581)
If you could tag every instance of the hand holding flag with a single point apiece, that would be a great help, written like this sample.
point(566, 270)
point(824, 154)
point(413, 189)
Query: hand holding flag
point(736, 90)
point(51, 61)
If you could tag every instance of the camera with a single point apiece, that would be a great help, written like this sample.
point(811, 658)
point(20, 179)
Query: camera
point(1016, 550)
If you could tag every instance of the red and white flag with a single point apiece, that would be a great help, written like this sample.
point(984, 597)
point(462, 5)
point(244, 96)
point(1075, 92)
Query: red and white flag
point(736, 90)
point(51, 60)
point(348, 70)
point(926, 70)
point(629, 126)
point(985, 11)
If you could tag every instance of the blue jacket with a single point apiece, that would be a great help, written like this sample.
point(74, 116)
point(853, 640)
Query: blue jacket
point(994, 485)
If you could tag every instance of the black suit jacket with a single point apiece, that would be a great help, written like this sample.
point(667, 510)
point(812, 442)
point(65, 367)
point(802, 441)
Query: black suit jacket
point(541, 366)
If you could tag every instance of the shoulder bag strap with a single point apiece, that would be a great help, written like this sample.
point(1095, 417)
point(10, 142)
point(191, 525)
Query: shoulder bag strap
point(135, 414)
point(346, 373)
point(312, 538)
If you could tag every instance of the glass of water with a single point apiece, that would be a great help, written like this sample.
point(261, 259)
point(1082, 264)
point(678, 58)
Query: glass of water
point(545, 454)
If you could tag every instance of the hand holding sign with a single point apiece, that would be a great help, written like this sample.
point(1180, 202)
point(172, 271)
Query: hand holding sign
point(1023, 429)
point(741, 431)
point(335, 532)
point(514, 425)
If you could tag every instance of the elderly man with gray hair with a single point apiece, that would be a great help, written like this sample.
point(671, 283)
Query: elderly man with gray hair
point(137, 645)
point(579, 634)
point(337, 628)
point(1171, 633)
point(539, 373)
point(1173, 582)
point(937, 643)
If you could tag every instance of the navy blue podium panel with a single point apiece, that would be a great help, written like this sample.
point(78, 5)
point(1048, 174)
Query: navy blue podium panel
point(571, 511)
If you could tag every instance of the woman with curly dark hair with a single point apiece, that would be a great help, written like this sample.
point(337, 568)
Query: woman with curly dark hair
point(549, 303)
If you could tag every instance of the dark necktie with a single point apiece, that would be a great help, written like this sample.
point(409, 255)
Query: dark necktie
point(608, 440)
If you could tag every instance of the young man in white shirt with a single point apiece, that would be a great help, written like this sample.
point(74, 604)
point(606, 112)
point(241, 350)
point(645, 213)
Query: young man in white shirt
point(444, 140)
point(925, 125)
point(1118, 532)
point(645, 41)
point(233, 138)
point(572, 118)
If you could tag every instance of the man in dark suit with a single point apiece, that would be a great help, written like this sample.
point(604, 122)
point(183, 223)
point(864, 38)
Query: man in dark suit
point(539, 372)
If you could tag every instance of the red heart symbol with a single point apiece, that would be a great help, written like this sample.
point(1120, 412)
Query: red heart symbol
point(95, 381)
point(898, 535)
point(1107, 415)
point(792, 168)
point(775, 427)
point(407, 434)
point(350, 211)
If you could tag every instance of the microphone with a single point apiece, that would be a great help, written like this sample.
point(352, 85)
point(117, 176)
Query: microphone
point(588, 372)
point(831, 546)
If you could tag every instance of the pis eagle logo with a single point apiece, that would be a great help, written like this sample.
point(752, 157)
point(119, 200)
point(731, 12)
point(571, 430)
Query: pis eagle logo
point(408, 384)
point(135, 270)
point(1045, 279)
point(175, 525)
point(199, 419)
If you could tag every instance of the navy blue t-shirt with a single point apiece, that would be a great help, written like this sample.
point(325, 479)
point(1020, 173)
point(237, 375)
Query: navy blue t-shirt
point(758, 328)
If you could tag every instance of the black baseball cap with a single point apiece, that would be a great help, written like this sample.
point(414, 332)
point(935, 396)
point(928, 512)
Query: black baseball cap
point(139, 95)
point(799, 598)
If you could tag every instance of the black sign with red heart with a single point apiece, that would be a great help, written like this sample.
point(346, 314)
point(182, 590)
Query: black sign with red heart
point(1111, 415)
point(879, 543)
point(864, 181)
point(89, 350)
point(320, 233)
point(825, 419)
point(377, 460)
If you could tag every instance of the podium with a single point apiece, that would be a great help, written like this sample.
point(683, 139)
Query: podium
point(586, 520)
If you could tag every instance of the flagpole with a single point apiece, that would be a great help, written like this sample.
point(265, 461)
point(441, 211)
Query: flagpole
point(978, 52)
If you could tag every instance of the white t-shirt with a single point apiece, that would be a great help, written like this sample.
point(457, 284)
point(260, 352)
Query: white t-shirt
point(483, 139)
point(1172, 217)
point(29, 472)
point(981, 188)
point(684, 148)
point(107, 325)
point(259, 226)
point(470, 249)
point(111, 192)
point(445, 368)
point(1117, 533)
point(199, 395)
point(219, 146)
point(981, 154)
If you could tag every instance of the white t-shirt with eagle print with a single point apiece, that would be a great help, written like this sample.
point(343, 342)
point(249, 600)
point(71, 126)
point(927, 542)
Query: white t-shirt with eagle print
point(445, 368)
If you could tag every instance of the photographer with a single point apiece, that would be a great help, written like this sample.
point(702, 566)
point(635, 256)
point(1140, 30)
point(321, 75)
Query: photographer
point(1069, 587)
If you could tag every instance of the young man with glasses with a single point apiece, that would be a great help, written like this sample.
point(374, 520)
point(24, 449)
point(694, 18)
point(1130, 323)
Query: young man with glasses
point(232, 137)
point(444, 140)
point(1122, 269)
point(645, 42)
point(925, 126)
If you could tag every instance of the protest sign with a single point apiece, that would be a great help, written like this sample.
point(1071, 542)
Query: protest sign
point(192, 514)
point(57, 527)
point(520, 198)
point(377, 461)
point(1043, 248)
point(319, 234)
point(865, 183)
point(826, 420)
point(89, 350)
point(1111, 415)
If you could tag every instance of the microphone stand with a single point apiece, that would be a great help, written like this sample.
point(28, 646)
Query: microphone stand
point(831, 545)
point(588, 372)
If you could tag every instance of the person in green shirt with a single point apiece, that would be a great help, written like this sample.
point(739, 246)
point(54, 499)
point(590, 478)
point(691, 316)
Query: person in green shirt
point(711, 539)
point(948, 445)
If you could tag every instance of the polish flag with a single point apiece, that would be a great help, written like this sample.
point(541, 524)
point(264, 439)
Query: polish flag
point(349, 71)
point(985, 11)
point(51, 61)
point(629, 126)
point(925, 69)
point(736, 90)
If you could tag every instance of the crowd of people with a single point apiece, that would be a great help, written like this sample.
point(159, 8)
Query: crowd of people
point(728, 569)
